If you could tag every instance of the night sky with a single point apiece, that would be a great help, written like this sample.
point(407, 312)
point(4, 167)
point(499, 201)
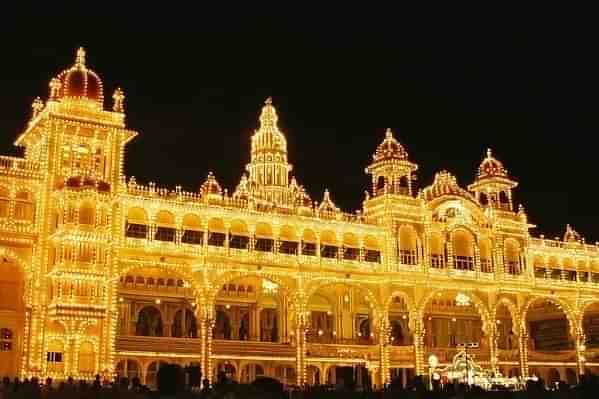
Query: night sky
point(524, 84)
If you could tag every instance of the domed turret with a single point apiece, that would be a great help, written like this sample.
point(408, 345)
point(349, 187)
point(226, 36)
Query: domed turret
point(390, 168)
point(493, 186)
point(211, 188)
point(78, 83)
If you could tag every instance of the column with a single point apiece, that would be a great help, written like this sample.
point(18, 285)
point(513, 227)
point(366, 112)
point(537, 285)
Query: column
point(300, 333)
point(206, 326)
point(580, 348)
point(523, 343)
point(384, 350)
point(183, 320)
point(419, 345)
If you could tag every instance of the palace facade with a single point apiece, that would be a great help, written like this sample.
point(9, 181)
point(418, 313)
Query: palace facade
point(102, 275)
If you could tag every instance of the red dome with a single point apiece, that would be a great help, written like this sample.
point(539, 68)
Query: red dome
point(80, 82)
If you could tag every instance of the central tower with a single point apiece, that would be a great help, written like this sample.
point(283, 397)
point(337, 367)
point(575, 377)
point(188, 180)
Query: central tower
point(268, 169)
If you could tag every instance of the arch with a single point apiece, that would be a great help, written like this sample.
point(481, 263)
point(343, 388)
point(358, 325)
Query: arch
point(328, 237)
point(164, 218)
point(309, 236)
point(239, 228)
point(408, 245)
point(128, 368)
point(87, 357)
point(507, 331)
point(463, 242)
point(191, 222)
point(560, 303)
point(479, 305)
point(137, 215)
point(512, 308)
point(264, 230)
point(486, 255)
point(406, 298)
point(288, 233)
point(216, 225)
point(189, 329)
point(149, 322)
point(437, 250)
point(87, 213)
point(512, 256)
point(350, 240)
point(371, 242)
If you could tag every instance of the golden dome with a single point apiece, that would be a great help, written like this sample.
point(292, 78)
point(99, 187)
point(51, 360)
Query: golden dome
point(445, 184)
point(78, 82)
point(389, 149)
point(491, 167)
point(210, 186)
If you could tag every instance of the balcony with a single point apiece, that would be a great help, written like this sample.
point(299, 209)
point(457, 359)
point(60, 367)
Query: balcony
point(18, 166)
point(252, 348)
point(174, 346)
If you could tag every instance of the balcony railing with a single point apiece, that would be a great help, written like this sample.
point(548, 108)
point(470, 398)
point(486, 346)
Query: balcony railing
point(129, 343)
point(18, 164)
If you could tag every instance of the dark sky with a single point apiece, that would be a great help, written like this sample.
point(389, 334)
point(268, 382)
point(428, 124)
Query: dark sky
point(448, 82)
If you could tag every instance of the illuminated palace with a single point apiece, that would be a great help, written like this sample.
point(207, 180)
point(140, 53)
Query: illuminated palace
point(100, 274)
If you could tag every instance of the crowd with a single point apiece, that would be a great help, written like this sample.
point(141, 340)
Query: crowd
point(171, 385)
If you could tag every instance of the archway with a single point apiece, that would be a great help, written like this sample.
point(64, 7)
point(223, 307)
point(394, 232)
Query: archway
point(152, 373)
point(250, 372)
point(250, 308)
point(225, 371)
point(506, 330)
point(185, 325)
point(590, 325)
point(12, 316)
point(128, 369)
point(548, 328)
point(399, 321)
point(341, 313)
point(149, 322)
point(452, 320)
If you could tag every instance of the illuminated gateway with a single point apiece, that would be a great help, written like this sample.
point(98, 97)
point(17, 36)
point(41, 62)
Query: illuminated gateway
point(100, 274)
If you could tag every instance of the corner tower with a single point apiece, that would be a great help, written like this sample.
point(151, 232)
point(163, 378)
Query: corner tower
point(493, 186)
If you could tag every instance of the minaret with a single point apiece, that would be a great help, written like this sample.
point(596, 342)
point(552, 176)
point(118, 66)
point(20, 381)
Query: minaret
point(268, 169)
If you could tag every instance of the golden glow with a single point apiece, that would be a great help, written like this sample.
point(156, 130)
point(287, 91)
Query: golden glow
point(76, 226)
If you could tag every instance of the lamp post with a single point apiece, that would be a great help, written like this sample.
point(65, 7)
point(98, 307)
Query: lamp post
point(433, 362)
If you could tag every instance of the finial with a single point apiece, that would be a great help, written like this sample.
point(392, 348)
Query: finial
point(489, 153)
point(54, 88)
point(268, 100)
point(119, 99)
point(389, 133)
point(37, 106)
point(80, 60)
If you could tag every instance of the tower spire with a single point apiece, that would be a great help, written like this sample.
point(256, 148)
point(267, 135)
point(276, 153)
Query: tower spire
point(80, 60)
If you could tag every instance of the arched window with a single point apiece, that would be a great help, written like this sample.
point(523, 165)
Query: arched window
point(463, 250)
point(351, 249)
point(437, 250)
point(239, 235)
point(24, 205)
point(86, 213)
point(216, 232)
point(407, 246)
point(87, 358)
point(288, 241)
point(483, 199)
point(309, 241)
point(192, 230)
point(372, 251)
point(512, 257)
point(165, 227)
point(137, 223)
point(4, 202)
point(328, 245)
point(486, 258)
point(149, 322)
point(504, 201)
point(264, 238)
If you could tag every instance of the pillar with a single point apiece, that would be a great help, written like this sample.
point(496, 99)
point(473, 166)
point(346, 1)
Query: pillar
point(206, 326)
point(419, 332)
point(384, 350)
point(523, 343)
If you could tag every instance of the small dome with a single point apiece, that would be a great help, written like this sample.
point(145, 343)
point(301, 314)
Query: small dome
point(491, 167)
point(390, 148)
point(78, 82)
point(445, 184)
point(210, 186)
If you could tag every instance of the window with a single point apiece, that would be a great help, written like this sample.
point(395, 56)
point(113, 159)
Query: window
point(350, 253)
point(6, 340)
point(540, 272)
point(164, 234)
point(264, 244)
point(134, 230)
point(24, 205)
point(309, 248)
point(464, 262)
point(329, 251)
point(288, 247)
point(4, 202)
point(216, 239)
point(239, 242)
point(192, 237)
point(54, 357)
point(437, 261)
point(407, 257)
point(372, 255)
